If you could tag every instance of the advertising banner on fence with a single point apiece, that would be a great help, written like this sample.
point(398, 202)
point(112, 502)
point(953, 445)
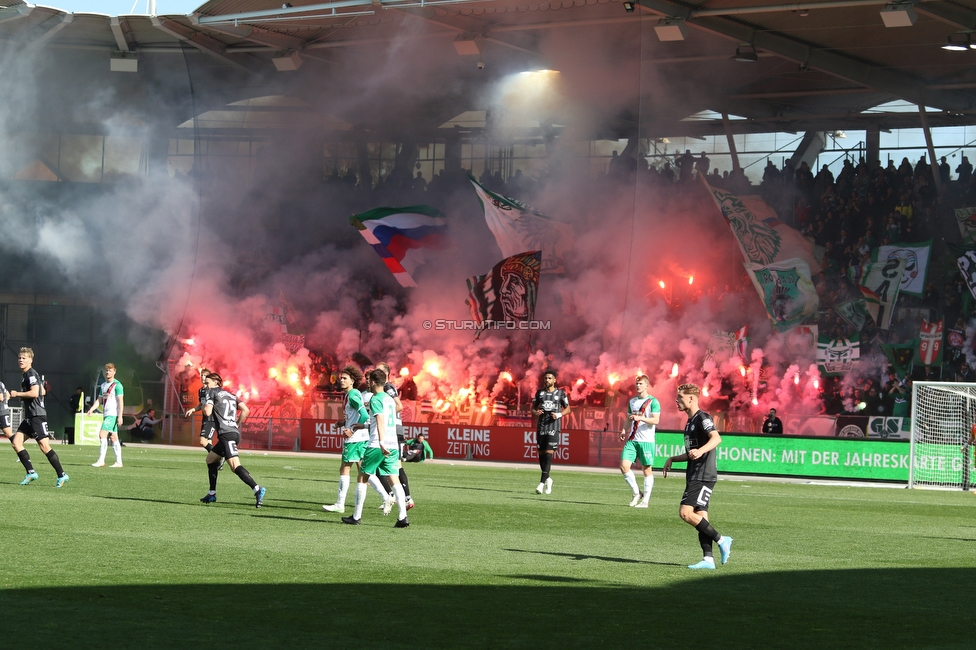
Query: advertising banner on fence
point(510, 444)
point(862, 459)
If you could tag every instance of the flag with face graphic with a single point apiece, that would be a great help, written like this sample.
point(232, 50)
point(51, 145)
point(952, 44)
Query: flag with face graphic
point(838, 356)
point(916, 258)
point(966, 218)
point(508, 293)
point(762, 237)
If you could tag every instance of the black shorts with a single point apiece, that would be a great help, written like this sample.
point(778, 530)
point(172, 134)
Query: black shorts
point(548, 441)
point(208, 429)
point(227, 444)
point(35, 428)
point(4, 419)
point(698, 494)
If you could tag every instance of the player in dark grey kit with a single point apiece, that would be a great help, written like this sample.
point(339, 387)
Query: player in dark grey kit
point(34, 424)
point(550, 404)
point(208, 426)
point(701, 439)
point(224, 406)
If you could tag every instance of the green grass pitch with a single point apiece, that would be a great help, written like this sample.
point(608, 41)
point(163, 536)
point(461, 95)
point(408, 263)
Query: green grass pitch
point(130, 558)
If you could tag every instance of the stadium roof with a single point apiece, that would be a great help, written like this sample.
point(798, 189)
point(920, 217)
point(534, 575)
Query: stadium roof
point(817, 65)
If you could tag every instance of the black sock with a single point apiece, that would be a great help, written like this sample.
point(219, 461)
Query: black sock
point(403, 482)
point(212, 471)
point(706, 544)
point(25, 460)
point(245, 476)
point(52, 457)
point(545, 461)
point(705, 528)
point(387, 483)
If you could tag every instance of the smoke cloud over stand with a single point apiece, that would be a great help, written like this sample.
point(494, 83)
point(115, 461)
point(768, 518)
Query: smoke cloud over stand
point(210, 255)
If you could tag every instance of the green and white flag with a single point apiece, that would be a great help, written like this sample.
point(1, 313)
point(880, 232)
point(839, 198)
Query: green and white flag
point(916, 258)
point(838, 356)
point(519, 227)
point(966, 218)
point(786, 290)
point(880, 285)
point(855, 312)
point(762, 237)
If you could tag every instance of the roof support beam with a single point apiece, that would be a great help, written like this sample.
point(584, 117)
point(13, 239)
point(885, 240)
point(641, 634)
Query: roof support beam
point(199, 40)
point(47, 35)
point(952, 14)
point(119, 33)
point(882, 79)
point(15, 13)
point(276, 41)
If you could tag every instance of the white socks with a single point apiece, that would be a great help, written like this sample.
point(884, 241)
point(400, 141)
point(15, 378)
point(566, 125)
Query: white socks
point(374, 481)
point(102, 448)
point(343, 490)
point(632, 482)
point(401, 499)
point(360, 500)
point(117, 448)
point(648, 486)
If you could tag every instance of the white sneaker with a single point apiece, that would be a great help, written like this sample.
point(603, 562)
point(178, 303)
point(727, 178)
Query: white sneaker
point(388, 506)
point(548, 486)
point(117, 464)
point(541, 488)
point(98, 464)
point(334, 507)
point(636, 499)
point(642, 504)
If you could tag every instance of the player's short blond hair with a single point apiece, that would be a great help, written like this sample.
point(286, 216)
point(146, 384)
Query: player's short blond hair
point(110, 366)
point(690, 389)
point(643, 377)
point(26, 351)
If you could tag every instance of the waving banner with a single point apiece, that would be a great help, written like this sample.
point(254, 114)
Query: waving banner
point(786, 290)
point(508, 293)
point(762, 237)
point(838, 356)
point(519, 227)
point(929, 350)
point(916, 258)
point(880, 285)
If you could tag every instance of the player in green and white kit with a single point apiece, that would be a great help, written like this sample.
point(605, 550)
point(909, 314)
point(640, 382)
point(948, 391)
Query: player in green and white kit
point(382, 454)
point(110, 396)
point(355, 430)
point(643, 414)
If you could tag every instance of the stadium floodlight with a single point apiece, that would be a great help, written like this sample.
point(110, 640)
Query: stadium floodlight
point(899, 15)
point(943, 415)
point(287, 61)
point(671, 29)
point(123, 62)
point(957, 43)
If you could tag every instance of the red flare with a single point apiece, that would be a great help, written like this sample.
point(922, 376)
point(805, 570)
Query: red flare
point(674, 371)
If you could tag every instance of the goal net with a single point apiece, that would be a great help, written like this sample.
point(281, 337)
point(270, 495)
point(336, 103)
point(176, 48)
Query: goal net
point(942, 415)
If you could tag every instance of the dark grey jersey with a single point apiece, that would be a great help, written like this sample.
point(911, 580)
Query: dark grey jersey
point(33, 406)
point(203, 394)
point(224, 410)
point(696, 436)
point(550, 402)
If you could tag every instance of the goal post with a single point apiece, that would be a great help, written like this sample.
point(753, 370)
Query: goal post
point(942, 416)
